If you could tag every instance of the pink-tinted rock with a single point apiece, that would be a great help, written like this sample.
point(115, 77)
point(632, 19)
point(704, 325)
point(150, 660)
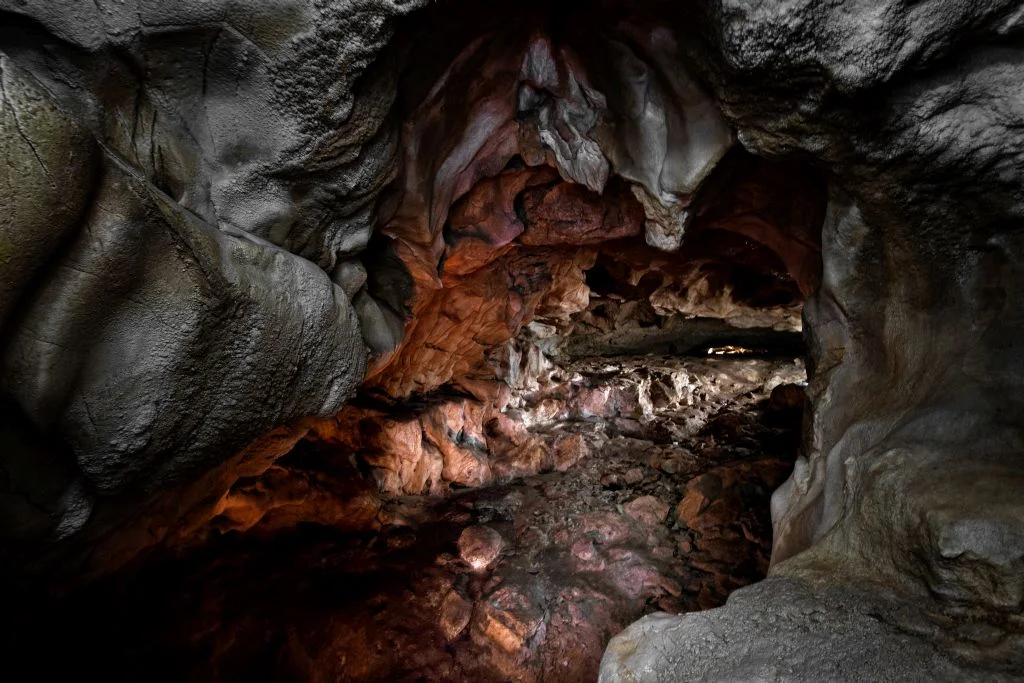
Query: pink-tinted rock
point(479, 546)
point(606, 528)
point(647, 510)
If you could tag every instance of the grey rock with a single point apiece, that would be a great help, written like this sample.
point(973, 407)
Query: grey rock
point(909, 487)
point(787, 630)
point(668, 133)
point(177, 183)
point(562, 122)
point(47, 178)
point(350, 276)
point(196, 340)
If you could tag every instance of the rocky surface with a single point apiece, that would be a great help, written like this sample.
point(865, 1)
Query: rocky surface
point(188, 205)
point(212, 213)
point(167, 294)
point(840, 633)
point(524, 578)
point(910, 484)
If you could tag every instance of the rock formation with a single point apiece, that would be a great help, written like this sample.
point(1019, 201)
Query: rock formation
point(447, 294)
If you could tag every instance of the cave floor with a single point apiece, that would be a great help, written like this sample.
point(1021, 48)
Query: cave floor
point(525, 580)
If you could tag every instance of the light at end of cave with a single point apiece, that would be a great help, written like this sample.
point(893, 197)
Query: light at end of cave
point(729, 351)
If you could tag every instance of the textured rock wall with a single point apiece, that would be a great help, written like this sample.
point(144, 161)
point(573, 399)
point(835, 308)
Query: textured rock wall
point(913, 468)
point(190, 197)
point(188, 191)
point(180, 184)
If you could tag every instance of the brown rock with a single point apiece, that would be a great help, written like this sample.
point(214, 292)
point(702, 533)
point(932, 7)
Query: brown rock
point(633, 475)
point(455, 614)
point(569, 450)
point(787, 397)
point(506, 619)
point(568, 213)
point(455, 428)
point(488, 210)
point(479, 546)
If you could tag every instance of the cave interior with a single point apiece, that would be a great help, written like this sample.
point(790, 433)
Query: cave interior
point(440, 341)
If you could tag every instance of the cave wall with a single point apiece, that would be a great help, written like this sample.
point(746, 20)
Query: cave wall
point(189, 191)
point(186, 186)
point(911, 480)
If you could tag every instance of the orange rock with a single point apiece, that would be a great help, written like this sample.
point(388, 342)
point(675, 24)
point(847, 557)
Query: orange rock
point(506, 619)
point(568, 450)
point(456, 430)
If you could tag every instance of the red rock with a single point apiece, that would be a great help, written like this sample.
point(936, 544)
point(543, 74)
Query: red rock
point(606, 528)
point(529, 457)
point(402, 462)
point(455, 428)
point(506, 619)
point(488, 211)
point(567, 213)
point(594, 402)
point(458, 319)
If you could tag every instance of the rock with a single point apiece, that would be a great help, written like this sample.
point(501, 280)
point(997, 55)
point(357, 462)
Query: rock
point(487, 212)
point(350, 276)
point(855, 636)
point(188, 190)
point(569, 450)
point(647, 510)
point(787, 397)
point(192, 247)
point(455, 614)
point(502, 625)
point(633, 475)
point(479, 546)
point(570, 214)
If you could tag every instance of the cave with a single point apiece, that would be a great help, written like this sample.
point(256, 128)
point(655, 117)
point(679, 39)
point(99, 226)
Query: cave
point(397, 340)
